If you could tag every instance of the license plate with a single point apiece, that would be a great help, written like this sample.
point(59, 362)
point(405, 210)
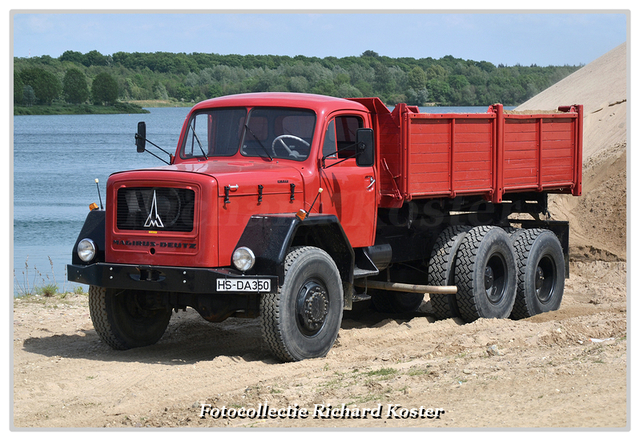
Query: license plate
point(244, 285)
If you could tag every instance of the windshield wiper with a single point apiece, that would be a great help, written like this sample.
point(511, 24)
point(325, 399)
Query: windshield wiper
point(195, 135)
point(246, 126)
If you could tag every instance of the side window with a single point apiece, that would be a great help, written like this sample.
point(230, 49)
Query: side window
point(341, 136)
point(329, 147)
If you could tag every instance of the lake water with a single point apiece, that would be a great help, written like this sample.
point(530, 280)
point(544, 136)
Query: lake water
point(56, 160)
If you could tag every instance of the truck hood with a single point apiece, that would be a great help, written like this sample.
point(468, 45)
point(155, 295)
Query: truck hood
point(242, 177)
point(245, 178)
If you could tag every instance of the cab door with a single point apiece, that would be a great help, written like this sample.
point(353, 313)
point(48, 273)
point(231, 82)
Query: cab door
point(350, 191)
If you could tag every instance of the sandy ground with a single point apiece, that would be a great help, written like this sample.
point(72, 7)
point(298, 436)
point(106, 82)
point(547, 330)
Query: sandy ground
point(561, 369)
point(565, 369)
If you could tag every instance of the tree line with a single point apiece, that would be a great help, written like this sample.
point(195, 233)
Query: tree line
point(104, 79)
point(36, 85)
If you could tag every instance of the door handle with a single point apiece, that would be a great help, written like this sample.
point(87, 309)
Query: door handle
point(372, 181)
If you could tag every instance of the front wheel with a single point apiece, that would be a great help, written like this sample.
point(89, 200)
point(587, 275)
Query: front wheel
point(303, 318)
point(126, 319)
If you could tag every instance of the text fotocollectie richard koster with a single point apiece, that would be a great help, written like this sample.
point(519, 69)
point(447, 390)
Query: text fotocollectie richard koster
point(321, 411)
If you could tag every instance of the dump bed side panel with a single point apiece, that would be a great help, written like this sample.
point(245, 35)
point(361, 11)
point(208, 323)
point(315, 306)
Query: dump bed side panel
point(491, 154)
point(450, 155)
point(539, 153)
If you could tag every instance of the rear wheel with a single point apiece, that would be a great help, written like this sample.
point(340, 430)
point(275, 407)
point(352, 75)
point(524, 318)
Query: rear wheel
point(442, 270)
point(485, 274)
point(540, 272)
point(303, 318)
point(126, 319)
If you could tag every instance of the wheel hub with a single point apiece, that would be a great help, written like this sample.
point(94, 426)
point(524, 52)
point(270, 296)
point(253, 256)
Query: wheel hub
point(545, 279)
point(494, 279)
point(312, 307)
point(539, 279)
point(488, 278)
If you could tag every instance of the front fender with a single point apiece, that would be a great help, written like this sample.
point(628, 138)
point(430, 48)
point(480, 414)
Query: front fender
point(271, 236)
point(94, 229)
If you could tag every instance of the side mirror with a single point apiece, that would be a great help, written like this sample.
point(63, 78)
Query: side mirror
point(141, 136)
point(365, 155)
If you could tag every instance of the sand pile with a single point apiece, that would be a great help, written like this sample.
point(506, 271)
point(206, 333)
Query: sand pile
point(598, 217)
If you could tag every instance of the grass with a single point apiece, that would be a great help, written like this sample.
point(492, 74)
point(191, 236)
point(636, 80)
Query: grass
point(30, 281)
point(57, 300)
point(48, 290)
point(342, 380)
point(383, 373)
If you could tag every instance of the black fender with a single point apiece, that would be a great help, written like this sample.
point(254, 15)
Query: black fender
point(94, 229)
point(271, 236)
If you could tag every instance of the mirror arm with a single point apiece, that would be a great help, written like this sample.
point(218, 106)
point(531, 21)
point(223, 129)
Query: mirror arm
point(357, 144)
point(163, 160)
point(158, 147)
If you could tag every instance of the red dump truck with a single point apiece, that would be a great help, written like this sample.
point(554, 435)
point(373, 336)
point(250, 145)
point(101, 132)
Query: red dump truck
point(290, 208)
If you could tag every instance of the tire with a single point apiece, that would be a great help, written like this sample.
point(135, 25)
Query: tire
point(442, 270)
point(485, 274)
point(393, 302)
point(541, 272)
point(303, 318)
point(121, 320)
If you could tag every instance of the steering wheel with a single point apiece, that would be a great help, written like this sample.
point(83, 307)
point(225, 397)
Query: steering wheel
point(291, 150)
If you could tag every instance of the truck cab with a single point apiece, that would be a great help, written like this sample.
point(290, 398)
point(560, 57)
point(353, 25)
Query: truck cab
point(213, 229)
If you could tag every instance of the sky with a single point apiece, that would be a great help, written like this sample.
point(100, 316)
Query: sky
point(571, 37)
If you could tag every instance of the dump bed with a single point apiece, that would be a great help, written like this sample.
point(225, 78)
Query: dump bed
point(491, 154)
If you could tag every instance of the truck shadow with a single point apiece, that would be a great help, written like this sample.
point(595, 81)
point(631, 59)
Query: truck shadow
point(190, 339)
point(363, 315)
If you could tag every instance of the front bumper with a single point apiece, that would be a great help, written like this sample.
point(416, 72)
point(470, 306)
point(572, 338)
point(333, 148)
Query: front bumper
point(162, 278)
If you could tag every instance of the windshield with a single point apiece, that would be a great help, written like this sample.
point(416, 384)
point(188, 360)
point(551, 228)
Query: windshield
point(265, 132)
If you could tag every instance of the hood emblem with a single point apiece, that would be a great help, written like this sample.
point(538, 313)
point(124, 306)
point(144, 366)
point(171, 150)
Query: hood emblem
point(153, 220)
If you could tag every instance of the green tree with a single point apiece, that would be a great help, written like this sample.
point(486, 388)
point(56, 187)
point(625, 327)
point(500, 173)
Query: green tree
point(370, 53)
point(298, 84)
point(18, 88)
point(95, 58)
point(325, 87)
point(73, 56)
point(384, 81)
point(160, 92)
point(46, 85)
point(348, 91)
point(417, 79)
point(418, 98)
point(435, 71)
point(439, 90)
point(104, 89)
point(28, 96)
point(74, 87)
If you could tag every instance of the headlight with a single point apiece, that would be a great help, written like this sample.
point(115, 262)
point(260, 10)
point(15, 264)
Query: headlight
point(243, 258)
point(86, 250)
